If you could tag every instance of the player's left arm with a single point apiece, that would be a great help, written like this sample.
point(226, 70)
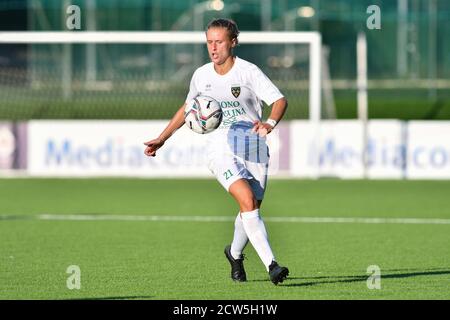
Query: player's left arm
point(278, 110)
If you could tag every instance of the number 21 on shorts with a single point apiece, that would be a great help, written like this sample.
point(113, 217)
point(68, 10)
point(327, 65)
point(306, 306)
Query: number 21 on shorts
point(228, 174)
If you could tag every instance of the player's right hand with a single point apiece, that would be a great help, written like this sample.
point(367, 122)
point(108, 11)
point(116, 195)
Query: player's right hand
point(261, 128)
point(152, 146)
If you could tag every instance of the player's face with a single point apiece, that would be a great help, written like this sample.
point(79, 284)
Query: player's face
point(219, 45)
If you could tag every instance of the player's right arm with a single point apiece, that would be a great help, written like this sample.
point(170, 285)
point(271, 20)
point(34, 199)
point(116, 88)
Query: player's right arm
point(174, 124)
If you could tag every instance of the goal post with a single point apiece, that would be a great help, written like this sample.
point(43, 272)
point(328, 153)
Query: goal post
point(313, 39)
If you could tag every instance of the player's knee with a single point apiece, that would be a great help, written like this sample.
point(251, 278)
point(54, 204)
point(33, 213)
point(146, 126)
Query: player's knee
point(248, 204)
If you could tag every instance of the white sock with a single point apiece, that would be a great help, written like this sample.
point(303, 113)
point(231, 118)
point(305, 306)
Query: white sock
point(256, 232)
point(240, 238)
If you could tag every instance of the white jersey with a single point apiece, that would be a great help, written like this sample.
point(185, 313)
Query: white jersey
point(240, 93)
point(233, 151)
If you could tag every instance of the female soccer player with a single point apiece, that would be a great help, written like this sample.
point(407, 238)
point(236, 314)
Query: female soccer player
point(237, 151)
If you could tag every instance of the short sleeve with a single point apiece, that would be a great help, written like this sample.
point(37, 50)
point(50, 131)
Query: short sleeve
point(193, 91)
point(263, 86)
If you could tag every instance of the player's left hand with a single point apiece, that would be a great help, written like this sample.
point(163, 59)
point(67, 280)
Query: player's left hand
point(261, 128)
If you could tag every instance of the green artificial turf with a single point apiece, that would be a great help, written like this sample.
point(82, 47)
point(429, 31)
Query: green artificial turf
point(122, 259)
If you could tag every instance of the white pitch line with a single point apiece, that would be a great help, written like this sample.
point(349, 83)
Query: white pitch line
point(359, 220)
point(86, 217)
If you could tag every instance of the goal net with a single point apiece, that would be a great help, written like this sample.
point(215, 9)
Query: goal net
point(141, 75)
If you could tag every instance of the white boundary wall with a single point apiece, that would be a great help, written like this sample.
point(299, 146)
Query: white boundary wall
point(338, 148)
point(116, 148)
point(428, 150)
point(395, 150)
point(111, 148)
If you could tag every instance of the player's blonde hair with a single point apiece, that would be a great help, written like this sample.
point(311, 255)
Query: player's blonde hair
point(228, 24)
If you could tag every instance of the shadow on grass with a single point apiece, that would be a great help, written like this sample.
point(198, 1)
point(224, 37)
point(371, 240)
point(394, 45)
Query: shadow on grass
point(358, 278)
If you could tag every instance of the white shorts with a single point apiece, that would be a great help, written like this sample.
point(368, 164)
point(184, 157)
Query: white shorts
point(237, 153)
point(229, 168)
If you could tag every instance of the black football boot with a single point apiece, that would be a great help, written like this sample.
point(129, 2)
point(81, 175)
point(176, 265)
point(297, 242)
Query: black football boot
point(237, 266)
point(276, 273)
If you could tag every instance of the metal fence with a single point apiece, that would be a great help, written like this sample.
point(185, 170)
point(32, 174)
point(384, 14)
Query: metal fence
point(408, 57)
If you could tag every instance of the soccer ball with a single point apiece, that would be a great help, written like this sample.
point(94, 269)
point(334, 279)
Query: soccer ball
point(203, 114)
